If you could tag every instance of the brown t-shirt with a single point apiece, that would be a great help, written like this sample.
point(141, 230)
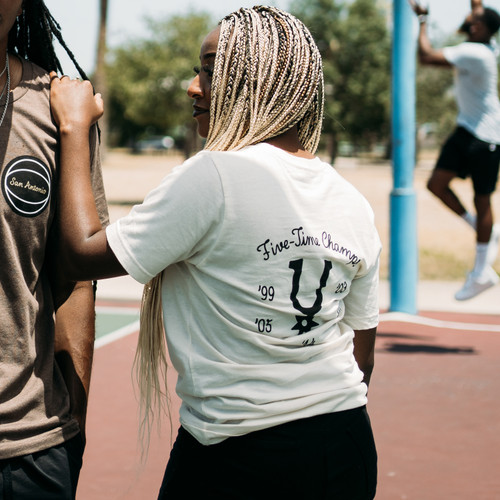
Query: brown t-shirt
point(34, 402)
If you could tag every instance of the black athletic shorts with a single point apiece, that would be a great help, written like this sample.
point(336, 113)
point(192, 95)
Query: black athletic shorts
point(330, 456)
point(467, 156)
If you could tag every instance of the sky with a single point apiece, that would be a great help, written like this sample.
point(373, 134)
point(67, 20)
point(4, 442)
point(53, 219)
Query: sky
point(79, 18)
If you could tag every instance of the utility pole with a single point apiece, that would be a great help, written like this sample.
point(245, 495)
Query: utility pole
point(403, 266)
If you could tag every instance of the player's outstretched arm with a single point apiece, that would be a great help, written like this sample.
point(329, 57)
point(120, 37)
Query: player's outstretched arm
point(476, 6)
point(426, 52)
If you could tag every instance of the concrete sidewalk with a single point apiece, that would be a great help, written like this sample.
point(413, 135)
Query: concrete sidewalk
point(431, 295)
point(439, 296)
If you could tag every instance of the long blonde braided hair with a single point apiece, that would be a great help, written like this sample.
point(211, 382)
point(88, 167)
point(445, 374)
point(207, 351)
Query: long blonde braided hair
point(267, 78)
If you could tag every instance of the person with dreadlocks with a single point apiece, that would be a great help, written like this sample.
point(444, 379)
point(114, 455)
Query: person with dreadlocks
point(263, 263)
point(47, 321)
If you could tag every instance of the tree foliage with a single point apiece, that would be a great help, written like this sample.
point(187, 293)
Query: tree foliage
point(435, 100)
point(355, 44)
point(436, 105)
point(148, 78)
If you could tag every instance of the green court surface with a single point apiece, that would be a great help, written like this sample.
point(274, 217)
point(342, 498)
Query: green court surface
point(112, 319)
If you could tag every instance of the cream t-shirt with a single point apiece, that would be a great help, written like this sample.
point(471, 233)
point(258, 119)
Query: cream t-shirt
point(269, 262)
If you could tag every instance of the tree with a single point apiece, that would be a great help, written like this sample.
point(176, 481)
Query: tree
point(100, 73)
point(148, 79)
point(364, 65)
point(355, 45)
point(436, 105)
point(323, 18)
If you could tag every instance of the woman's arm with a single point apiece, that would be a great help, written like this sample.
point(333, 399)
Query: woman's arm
point(86, 254)
point(364, 351)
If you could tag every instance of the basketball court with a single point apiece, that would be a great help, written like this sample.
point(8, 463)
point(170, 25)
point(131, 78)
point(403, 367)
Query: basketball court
point(433, 397)
point(433, 405)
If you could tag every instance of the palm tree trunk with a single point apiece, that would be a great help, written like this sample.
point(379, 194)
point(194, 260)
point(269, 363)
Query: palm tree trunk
point(100, 72)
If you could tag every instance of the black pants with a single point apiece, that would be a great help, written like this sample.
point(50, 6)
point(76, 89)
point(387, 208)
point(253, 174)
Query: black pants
point(329, 456)
point(46, 475)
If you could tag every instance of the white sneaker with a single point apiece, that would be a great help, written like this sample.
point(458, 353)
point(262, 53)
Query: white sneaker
point(492, 251)
point(474, 285)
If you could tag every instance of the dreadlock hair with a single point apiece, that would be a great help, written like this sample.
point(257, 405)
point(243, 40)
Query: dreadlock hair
point(32, 37)
point(267, 78)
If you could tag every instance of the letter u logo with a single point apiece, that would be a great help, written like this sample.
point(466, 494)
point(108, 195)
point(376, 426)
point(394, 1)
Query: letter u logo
point(305, 323)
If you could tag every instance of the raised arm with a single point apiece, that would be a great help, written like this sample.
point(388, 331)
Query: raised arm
point(426, 53)
point(86, 253)
point(476, 6)
point(477, 9)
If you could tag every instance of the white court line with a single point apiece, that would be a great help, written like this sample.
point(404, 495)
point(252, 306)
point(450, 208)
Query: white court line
point(436, 323)
point(117, 334)
point(117, 310)
point(389, 316)
point(121, 332)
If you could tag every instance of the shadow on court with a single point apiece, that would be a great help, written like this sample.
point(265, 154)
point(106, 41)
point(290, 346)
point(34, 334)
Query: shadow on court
point(433, 402)
point(433, 406)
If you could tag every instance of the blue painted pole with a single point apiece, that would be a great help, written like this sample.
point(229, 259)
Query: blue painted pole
point(403, 268)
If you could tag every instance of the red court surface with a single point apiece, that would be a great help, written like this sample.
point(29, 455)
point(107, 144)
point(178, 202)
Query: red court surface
point(434, 407)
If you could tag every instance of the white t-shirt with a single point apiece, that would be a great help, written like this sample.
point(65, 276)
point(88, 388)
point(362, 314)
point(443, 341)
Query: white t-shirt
point(476, 89)
point(270, 261)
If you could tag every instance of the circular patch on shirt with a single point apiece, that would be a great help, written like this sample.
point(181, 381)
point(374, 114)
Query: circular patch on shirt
point(26, 185)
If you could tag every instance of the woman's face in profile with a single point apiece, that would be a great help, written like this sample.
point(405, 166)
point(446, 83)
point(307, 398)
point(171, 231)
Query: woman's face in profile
point(200, 88)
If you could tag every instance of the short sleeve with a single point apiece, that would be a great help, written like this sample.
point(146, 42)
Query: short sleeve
point(362, 302)
point(464, 56)
point(177, 221)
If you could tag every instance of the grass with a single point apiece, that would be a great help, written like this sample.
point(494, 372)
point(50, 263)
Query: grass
point(444, 266)
point(440, 265)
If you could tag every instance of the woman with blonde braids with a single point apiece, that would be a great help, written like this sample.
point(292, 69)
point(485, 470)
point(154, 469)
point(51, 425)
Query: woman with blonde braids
point(265, 264)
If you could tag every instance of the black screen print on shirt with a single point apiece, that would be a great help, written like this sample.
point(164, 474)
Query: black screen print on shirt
point(26, 185)
point(304, 321)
